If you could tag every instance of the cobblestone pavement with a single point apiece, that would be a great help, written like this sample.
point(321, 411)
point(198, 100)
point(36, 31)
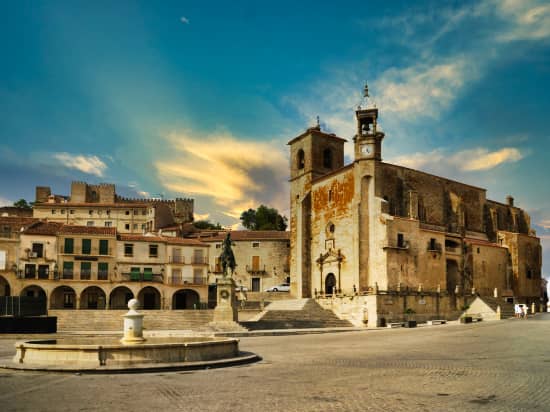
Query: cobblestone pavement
point(490, 366)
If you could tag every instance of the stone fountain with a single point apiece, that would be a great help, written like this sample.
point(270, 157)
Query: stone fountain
point(131, 353)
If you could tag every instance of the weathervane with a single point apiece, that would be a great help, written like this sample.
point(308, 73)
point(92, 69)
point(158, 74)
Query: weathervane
point(365, 96)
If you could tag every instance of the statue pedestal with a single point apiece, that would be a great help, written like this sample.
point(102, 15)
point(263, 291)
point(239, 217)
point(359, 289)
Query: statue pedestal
point(226, 309)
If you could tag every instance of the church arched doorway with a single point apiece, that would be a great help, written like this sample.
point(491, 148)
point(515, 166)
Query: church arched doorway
point(330, 284)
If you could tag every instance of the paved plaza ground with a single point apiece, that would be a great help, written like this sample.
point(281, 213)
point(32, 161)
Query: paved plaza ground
point(490, 366)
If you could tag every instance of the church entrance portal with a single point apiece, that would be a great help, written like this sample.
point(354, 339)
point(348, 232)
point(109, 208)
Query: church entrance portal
point(330, 284)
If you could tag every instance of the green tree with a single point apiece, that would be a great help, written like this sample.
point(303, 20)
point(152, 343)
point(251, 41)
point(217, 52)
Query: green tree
point(207, 224)
point(23, 204)
point(263, 218)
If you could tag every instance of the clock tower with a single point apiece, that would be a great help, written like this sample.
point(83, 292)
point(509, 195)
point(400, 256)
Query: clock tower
point(368, 140)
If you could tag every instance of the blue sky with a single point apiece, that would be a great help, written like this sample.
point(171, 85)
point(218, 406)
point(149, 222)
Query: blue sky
point(183, 99)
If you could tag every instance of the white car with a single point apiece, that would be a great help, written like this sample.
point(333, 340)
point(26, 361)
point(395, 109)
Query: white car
point(283, 287)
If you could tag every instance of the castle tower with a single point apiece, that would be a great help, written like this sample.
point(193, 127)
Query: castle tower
point(313, 154)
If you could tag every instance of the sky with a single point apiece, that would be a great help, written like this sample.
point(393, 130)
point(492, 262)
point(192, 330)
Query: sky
point(195, 99)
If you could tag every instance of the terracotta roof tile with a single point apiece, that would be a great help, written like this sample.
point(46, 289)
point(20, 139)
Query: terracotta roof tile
point(160, 239)
point(245, 235)
point(87, 230)
point(43, 228)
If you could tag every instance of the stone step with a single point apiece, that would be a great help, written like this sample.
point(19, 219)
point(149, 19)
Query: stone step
point(112, 320)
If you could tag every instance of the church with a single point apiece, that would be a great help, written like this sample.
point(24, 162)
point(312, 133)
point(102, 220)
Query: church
point(397, 239)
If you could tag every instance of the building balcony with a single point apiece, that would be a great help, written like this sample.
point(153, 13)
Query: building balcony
point(199, 260)
point(397, 246)
point(93, 252)
point(176, 259)
point(84, 275)
point(142, 277)
point(187, 280)
point(256, 270)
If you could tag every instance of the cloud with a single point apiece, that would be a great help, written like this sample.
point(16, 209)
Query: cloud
point(5, 202)
point(235, 174)
point(527, 19)
point(143, 193)
point(89, 164)
point(198, 216)
point(442, 161)
point(184, 20)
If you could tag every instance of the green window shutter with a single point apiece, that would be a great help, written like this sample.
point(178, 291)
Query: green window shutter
point(147, 273)
point(86, 246)
point(85, 266)
point(69, 245)
point(103, 247)
point(68, 265)
point(102, 266)
point(135, 274)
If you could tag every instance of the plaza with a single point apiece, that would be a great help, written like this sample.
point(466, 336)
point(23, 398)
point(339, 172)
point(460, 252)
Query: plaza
point(490, 366)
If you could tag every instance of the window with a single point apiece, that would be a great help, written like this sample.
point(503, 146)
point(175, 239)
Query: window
point(62, 211)
point(400, 240)
point(478, 250)
point(108, 224)
point(71, 211)
point(301, 161)
point(2, 260)
point(432, 244)
point(144, 212)
point(153, 251)
point(85, 270)
point(529, 273)
point(103, 247)
point(255, 244)
point(90, 223)
point(135, 226)
point(148, 274)
point(38, 250)
point(218, 245)
point(255, 263)
point(143, 226)
point(330, 195)
point(136, 212)
point(177, 256)
point(127, 212)
point(69, 245)
point(90, 212)
point(107, 212)
point(30, 271)
point(198, 256)
point(102, 271)
point(53, 211)
point(197, 277)
point(86, 246)
point(255, 284)
point(127, 226)
point(327, 158)
point(68, 270)
point(128, 249)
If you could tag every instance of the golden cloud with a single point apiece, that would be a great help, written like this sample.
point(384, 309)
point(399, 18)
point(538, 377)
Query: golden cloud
point(236, 174)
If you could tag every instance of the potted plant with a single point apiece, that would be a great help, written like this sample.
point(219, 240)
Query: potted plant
point(410, 322)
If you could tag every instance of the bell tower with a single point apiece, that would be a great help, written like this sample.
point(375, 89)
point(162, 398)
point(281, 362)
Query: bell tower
point(368, 140)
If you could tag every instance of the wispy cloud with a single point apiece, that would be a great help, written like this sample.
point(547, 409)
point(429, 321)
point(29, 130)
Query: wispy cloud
point(184, 20)
point(5, 202)
point(444, 162)
point(527, 19)
point(199, 216)
point(236, 174)
point(88, 164)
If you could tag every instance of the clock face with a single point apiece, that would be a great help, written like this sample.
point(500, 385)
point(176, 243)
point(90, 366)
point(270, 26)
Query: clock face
point(366, 149)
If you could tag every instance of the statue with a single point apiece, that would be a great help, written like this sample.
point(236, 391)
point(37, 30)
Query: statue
point(227, 258)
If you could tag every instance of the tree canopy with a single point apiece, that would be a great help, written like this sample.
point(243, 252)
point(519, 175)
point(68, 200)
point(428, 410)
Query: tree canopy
point(23, 204)
point(207, 224)
point(263, 218)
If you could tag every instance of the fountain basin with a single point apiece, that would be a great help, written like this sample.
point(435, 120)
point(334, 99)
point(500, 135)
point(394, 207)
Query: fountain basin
point(96, 354)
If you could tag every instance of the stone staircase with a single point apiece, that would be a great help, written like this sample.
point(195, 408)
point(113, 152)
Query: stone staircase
point(295, 314)
point(112, 320)
point(506, 309)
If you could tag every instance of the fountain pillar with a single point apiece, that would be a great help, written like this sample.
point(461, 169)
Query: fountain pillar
point(133, 324)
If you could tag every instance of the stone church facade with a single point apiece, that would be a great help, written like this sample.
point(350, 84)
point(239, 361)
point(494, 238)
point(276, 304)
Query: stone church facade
point(401, 239)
